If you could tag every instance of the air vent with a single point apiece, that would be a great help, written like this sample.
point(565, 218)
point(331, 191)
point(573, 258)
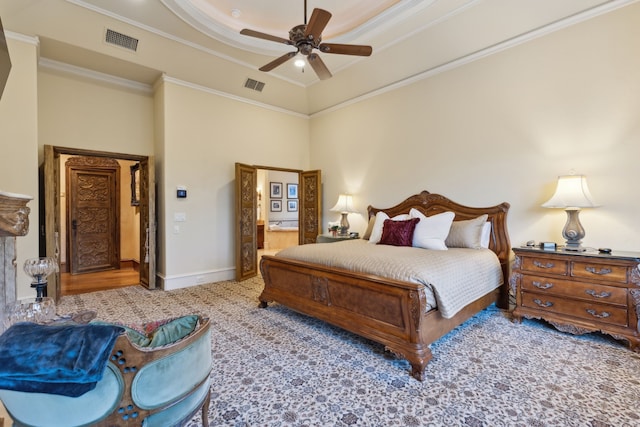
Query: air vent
point(254, 84)
point(121, 40)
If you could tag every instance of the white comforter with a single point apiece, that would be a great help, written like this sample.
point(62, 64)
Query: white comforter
point(453, 278)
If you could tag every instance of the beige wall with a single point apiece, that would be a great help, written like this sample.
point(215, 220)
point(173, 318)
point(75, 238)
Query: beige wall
point(19, 144)
point(204, 135)
point(502, 129)
point(79, 113)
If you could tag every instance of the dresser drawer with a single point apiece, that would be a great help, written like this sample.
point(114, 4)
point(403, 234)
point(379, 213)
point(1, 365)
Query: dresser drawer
point(585, 291)
point(546, 265)
point(610, 273)
point(581, 309)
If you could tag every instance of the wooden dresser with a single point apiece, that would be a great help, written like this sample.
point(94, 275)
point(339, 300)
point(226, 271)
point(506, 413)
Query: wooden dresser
point(579, 292)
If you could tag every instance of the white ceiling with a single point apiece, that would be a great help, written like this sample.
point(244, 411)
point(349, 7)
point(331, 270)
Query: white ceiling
point(198, 41)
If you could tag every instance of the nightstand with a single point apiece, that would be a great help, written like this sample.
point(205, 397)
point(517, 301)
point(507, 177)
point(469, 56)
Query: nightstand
point(330, 238)
point(579, 292)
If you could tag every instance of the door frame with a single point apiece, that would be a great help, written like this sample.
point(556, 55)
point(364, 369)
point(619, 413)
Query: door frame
point(309, 213)
point(50, 220)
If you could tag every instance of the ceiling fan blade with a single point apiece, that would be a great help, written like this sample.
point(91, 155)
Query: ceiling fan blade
point(319, 19)
point(346, 49)
point(318, 66)
point(265, 36)
point(278, 61)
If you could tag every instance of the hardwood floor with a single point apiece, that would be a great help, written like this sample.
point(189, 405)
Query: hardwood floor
point(91, 282)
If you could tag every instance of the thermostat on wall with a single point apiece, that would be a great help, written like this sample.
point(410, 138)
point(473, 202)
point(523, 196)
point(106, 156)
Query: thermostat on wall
point(182, 192)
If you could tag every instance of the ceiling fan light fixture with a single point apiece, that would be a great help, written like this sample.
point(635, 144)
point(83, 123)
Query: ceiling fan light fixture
point(305, 38)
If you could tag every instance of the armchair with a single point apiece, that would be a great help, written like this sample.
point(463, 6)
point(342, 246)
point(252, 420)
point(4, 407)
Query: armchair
point(159, 386)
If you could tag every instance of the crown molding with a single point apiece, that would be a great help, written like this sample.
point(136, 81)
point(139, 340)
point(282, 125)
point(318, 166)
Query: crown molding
point(85, 73)
point(34, 40)
point(169, 79)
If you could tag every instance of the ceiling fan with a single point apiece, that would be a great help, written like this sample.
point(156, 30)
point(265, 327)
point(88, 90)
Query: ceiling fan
point(307, 37)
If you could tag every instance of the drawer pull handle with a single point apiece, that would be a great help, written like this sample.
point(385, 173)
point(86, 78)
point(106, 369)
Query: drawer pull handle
point(600, 295)
point(604, 314)
point(601, 272)
point(543, 304)
point(544, 286)
point(541, 265)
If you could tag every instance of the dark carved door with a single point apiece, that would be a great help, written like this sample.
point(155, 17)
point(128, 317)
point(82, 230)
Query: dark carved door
point(246, 220)
point(310, 212)
point(93, 203)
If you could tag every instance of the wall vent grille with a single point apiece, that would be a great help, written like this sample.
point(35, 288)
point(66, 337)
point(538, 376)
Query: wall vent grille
point(254, 84)
point(121, 40)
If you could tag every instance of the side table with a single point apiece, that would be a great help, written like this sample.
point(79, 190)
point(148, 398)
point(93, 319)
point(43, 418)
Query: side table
point(579, 292)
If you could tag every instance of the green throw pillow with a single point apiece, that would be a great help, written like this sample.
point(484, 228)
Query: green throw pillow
point(164, 334)
point(173, 331)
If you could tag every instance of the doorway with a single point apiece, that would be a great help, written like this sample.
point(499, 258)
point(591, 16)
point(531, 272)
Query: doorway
point(309, 212)
point(140, 182)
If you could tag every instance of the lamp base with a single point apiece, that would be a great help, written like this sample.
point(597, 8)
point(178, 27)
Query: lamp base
point(573, 232)
point(573, 247)
point(344, 224)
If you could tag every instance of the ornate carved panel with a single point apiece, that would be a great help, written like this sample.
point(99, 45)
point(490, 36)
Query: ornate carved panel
point(320, 290)
point(246, 222)
point(14, 214)
point(93, 202)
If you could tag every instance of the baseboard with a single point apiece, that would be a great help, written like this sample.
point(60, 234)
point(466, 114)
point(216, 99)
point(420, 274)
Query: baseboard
point(170, 283)
point(130, 263)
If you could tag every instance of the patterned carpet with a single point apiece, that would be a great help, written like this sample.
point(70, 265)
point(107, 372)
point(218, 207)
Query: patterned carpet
point(274, 367)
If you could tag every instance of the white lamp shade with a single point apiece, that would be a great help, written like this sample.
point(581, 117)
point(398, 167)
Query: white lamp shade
point(572, 192)
point(344, 204)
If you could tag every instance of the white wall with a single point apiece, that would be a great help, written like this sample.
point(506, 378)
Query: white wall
point(283, 178)
point(19, 145)
point(502, 129)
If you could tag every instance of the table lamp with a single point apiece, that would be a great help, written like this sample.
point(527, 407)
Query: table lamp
point(345, 207)
point(572, 194)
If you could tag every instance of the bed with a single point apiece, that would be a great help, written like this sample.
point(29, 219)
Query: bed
point(397, 310)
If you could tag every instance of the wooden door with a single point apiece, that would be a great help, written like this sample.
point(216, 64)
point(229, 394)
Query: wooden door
point(148, 223)
point(51, 179)
point(310, 209)
point(246, 222)
point(93, 206)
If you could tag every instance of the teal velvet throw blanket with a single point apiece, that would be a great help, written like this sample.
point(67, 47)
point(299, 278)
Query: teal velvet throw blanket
point(65, 359)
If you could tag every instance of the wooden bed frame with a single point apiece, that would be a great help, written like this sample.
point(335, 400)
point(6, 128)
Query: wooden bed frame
point(391, 312)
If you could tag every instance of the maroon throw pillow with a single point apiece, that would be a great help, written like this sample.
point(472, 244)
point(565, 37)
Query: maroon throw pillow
point(398, 233)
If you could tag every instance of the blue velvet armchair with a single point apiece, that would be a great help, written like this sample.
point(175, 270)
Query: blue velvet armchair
point(142, 386)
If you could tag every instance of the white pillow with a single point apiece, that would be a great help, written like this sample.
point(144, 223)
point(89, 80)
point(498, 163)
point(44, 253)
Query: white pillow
point(376, 232)
point(486, 235)
point(431, 231)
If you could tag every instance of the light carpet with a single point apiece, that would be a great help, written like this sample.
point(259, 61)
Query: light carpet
point(275, 367)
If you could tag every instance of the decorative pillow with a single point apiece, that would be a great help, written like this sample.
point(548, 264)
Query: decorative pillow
point(466, 234)
point(398, 233)
point(376, 232)
point(431, 231)
point(160, 333)
point(367, 233)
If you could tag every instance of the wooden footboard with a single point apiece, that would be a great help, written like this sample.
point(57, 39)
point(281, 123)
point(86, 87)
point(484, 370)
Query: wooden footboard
point(386, 311)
